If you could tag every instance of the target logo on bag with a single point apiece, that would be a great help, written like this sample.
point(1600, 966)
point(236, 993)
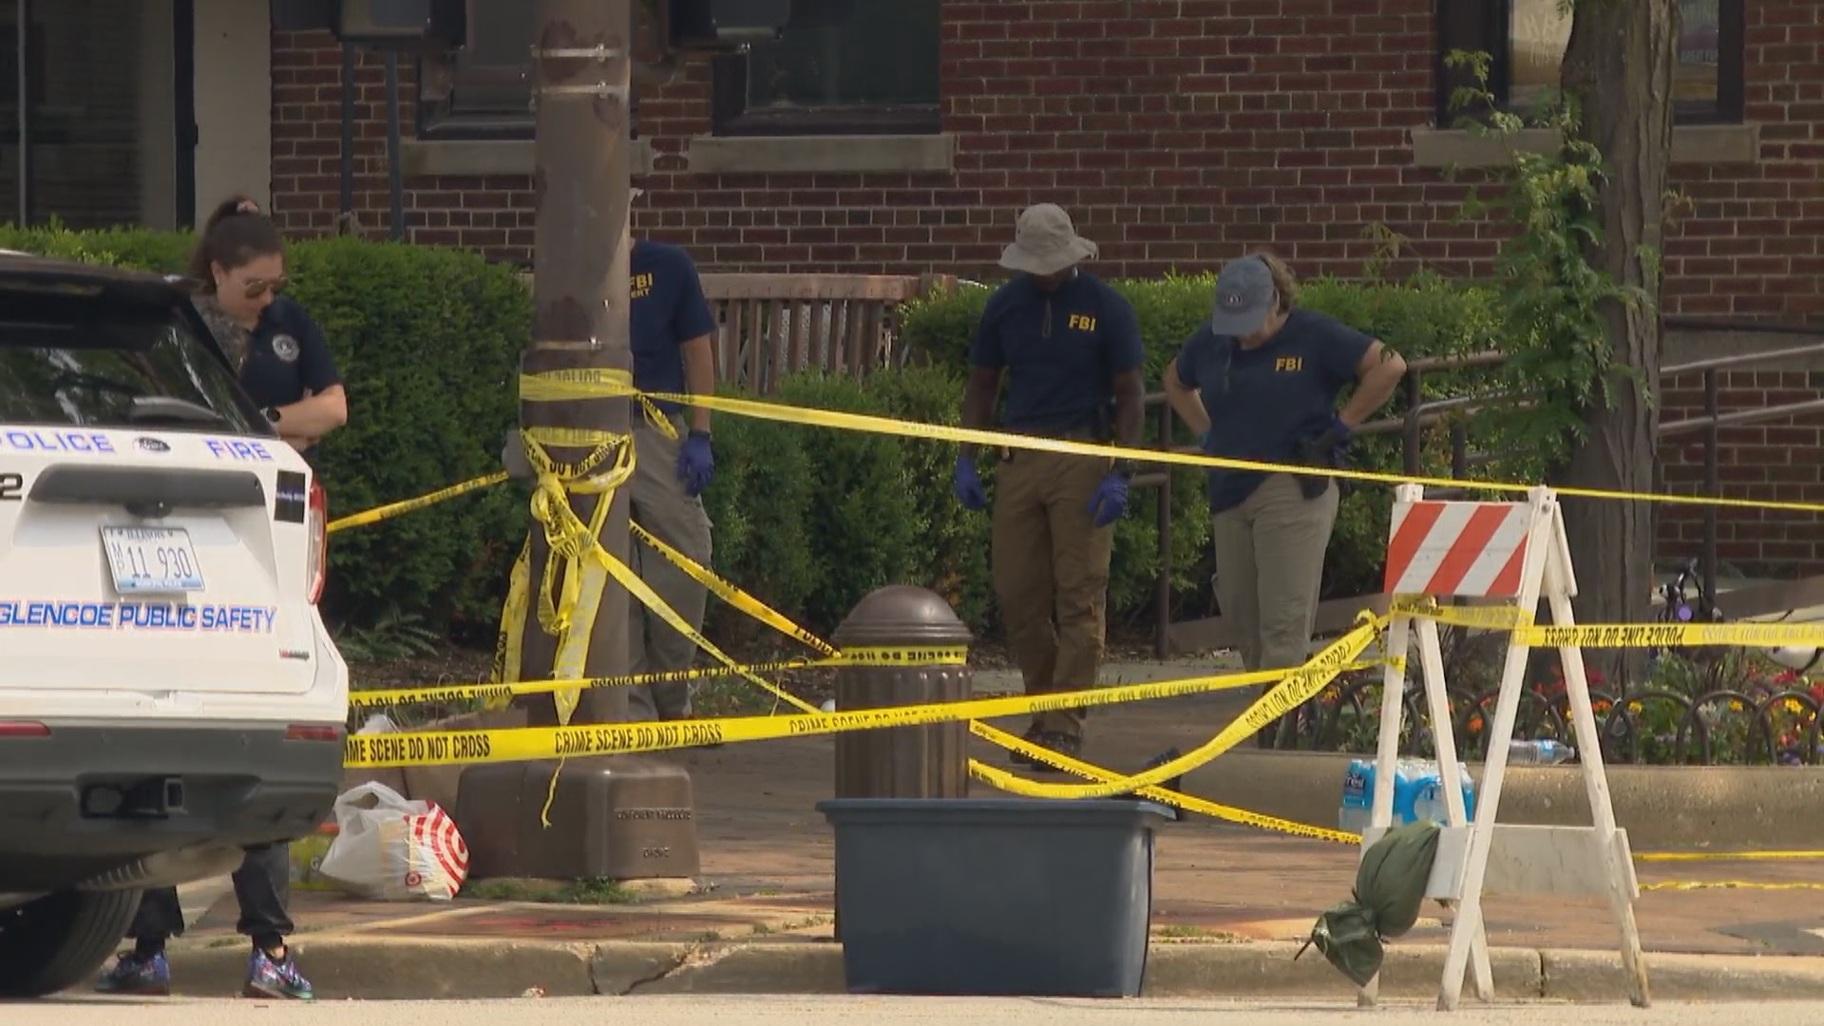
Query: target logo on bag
point(436, 840)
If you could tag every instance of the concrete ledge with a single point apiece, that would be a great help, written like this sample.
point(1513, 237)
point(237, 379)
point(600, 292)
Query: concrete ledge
point(1691, 144)
point(821, 153)
point(766, 968)
point(414, 968)
point(1268, 971)
point(1595, 976)
point(424, 158)
point(1663, 808)
point(403, 968)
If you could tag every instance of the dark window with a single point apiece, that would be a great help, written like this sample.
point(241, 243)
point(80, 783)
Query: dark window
point(93, 127)
point(484, 89)
point(870, 68)
point(1526, 41)
point(69, 359)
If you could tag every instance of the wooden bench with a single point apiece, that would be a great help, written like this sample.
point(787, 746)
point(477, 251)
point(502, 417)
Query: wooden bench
point(773, 325)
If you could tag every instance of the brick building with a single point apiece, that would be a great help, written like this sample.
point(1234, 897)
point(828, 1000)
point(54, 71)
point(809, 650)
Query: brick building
point(904, 136)
point(1176, 131)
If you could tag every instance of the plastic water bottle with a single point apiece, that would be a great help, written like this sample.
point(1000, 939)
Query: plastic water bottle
point(1539, 753)
point(1417, 793)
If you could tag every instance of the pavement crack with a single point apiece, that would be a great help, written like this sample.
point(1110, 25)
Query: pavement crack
point(681, 961)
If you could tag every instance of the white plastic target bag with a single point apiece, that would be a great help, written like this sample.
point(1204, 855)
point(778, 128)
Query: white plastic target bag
point(391, 849)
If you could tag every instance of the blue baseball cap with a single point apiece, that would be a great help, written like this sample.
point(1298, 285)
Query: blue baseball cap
point(1245, 296)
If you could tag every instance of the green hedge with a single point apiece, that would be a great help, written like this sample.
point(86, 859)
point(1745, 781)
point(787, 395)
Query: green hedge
point(428, 340)
point(1426, 316)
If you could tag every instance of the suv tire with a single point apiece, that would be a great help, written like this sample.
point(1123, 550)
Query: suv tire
point(60, 940)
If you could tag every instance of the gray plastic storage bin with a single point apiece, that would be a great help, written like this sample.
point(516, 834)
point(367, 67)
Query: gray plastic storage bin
point(997, 896)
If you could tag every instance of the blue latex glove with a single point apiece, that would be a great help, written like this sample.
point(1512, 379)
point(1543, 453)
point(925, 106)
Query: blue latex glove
point(1327, 448)
point(696, 463)
point(968, 484)
point(1109, 503)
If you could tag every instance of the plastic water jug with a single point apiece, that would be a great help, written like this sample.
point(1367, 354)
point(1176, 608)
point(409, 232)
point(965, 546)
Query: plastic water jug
point(1417, 793)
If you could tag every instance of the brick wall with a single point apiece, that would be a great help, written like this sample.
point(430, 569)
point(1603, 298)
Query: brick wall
point(1177, 132)
point(1781, 461)
point(1751, 245)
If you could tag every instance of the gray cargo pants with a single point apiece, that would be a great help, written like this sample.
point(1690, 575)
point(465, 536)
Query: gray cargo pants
point(660, 506)
point(1269, 568)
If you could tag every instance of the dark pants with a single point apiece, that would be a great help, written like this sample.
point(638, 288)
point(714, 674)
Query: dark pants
point(262, 886)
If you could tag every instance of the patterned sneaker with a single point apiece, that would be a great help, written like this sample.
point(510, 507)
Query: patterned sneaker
point(270, 978)
point(137, 975)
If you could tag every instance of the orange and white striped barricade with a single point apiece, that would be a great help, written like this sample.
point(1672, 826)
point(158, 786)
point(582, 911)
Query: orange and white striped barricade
point(1509, 555)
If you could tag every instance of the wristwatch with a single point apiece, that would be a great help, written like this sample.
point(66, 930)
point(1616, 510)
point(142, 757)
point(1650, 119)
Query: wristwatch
point(271, 413)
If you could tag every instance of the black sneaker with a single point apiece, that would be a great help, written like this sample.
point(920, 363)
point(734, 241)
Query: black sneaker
point(1063, 744)
point(1173, 784)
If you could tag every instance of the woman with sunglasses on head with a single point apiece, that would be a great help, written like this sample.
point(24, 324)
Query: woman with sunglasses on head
point(284, 365)
point(277, 350)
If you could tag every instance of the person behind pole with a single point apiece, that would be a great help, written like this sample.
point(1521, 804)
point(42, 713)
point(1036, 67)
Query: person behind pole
point(285, 366)
point(1260, 382)
point(1069, 348)
point(673, 338)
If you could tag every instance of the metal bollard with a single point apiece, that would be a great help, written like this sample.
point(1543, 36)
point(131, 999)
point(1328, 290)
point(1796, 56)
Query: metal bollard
point(902, 762)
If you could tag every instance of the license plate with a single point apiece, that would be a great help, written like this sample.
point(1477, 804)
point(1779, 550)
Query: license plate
point(152, 559)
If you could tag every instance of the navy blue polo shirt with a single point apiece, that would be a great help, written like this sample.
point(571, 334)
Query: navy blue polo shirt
point(1061, 351)
point(1263, 401)
point(669, 309)
point(286, 355)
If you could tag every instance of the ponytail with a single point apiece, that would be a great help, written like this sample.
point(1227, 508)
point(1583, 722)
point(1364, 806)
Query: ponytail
point(235, 233)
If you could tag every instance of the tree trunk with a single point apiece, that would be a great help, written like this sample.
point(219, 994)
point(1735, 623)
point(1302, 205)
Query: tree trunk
point(1619, 66)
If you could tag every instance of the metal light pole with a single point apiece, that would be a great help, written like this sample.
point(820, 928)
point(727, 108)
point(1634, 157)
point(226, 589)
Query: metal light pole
point(627, 817)
point(581, 65)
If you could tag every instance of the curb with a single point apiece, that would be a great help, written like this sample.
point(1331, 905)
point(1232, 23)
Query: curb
point(364, 967)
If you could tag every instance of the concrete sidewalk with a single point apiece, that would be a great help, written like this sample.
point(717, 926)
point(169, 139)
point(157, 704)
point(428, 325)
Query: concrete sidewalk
point(1229, 906)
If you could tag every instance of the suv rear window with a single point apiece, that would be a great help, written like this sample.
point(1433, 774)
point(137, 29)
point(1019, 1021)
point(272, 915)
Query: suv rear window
point(82, 361)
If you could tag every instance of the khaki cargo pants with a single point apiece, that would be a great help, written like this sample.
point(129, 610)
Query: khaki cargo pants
point(1050, 567)
point(660, 506)
point(1269, 568)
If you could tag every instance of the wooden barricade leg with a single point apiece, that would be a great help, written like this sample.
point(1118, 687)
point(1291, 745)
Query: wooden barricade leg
point(1431, 657)
point(1468, 923)
point(1602, 812)
point(1387, 752)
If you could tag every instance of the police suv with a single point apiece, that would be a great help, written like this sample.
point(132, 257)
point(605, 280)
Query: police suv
point(168, 693)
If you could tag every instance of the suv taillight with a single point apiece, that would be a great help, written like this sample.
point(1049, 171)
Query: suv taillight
point(316, 560)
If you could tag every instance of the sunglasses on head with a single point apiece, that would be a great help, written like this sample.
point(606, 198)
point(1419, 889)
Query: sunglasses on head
point(257, 287)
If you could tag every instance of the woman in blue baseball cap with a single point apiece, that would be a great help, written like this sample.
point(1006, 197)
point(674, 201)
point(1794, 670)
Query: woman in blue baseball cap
point(1260, 382)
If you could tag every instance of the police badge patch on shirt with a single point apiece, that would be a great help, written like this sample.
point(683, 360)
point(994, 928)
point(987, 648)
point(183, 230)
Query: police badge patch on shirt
point(285, 348)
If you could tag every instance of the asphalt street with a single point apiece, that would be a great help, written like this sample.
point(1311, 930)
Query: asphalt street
point(844, 1011)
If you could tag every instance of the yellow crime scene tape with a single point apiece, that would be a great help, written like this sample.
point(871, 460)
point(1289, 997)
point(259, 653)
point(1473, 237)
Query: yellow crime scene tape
point(518, 744)
point(398, 509)
point(731, 594)
point(1177, 799)
point(605, 386)
point(1489, 618)
point(1729, 856)
point(1731, 885)
point(1670, 635)
point(1297, 687)
point(871, 656)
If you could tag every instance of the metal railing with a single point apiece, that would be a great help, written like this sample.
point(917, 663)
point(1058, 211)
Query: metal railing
point(1455, 411)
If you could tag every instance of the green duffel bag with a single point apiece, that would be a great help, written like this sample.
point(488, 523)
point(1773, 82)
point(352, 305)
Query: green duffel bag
point(1389, 888)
